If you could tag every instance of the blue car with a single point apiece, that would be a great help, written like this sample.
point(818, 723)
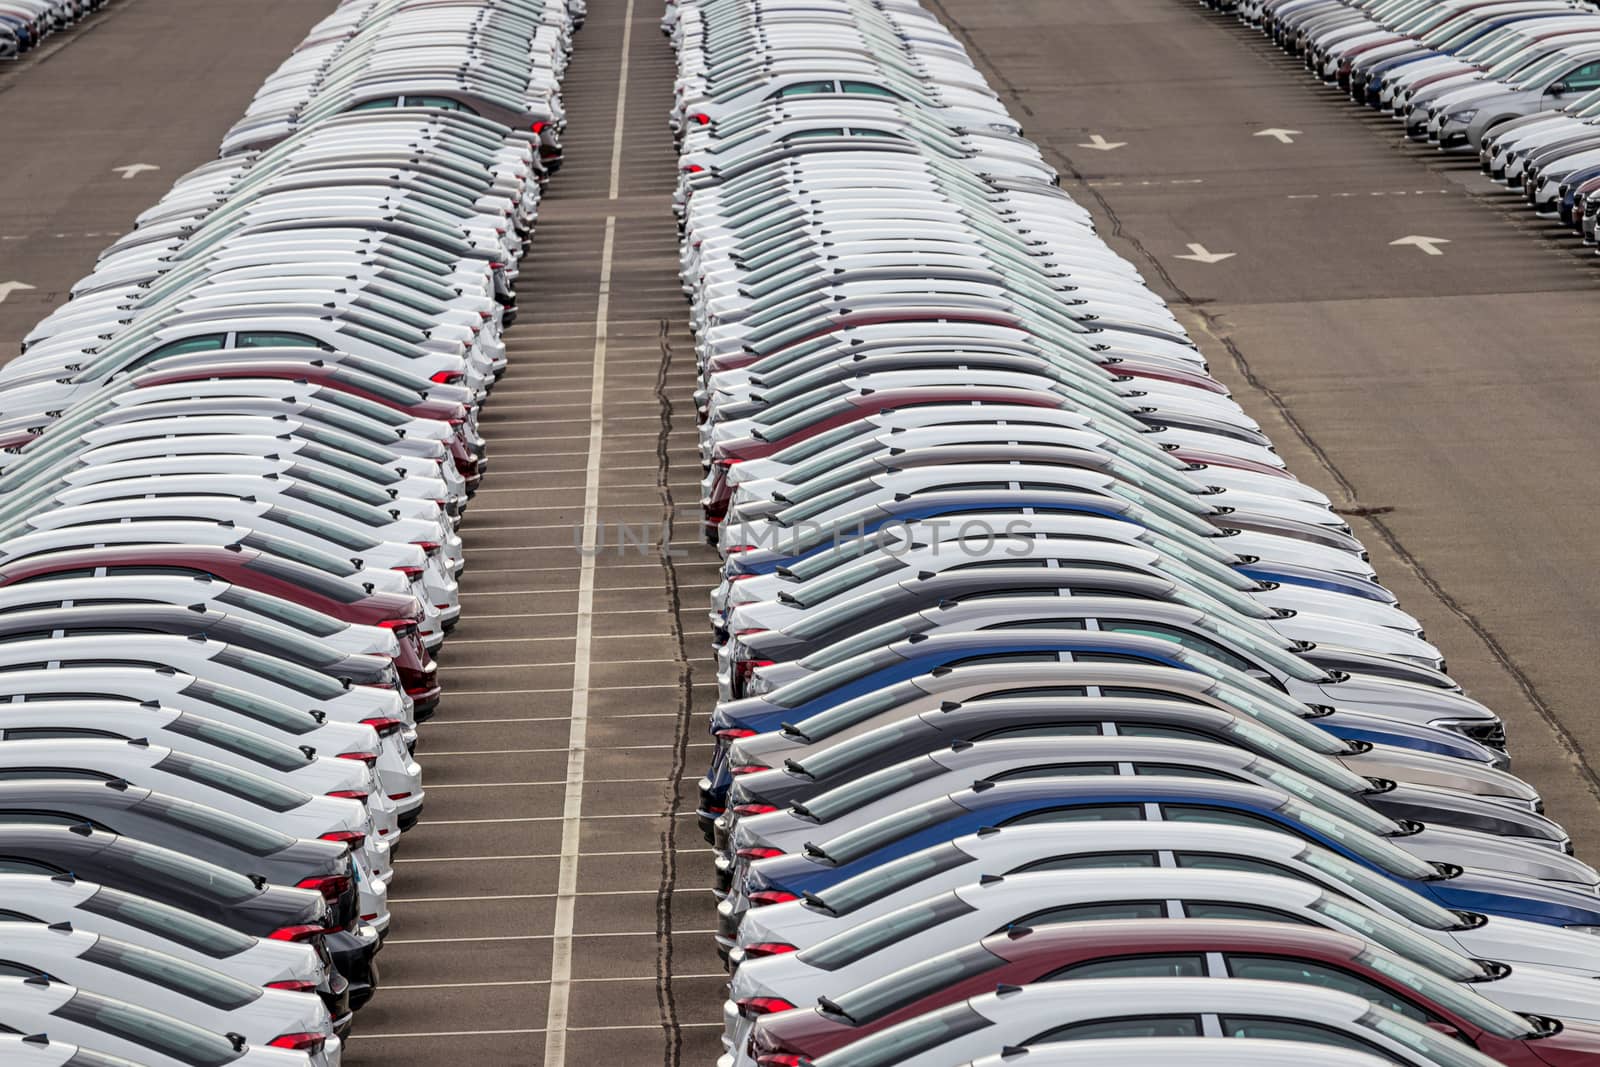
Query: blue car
point(884, 678)
point(1045, 800)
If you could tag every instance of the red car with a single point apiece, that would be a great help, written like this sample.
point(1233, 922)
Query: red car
point(251, 568)
point(1179, 948)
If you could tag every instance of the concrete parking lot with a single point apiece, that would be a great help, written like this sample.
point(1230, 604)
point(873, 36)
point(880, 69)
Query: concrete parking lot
point(552, 906)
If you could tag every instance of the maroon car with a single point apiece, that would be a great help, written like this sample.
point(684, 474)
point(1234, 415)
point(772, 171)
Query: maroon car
point(251, 568)
point(1180, 948)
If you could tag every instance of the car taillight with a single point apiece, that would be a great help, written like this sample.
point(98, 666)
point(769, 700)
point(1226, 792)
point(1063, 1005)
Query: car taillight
point(384, 726)
point(331, 886)
point(294, 985)
point(747, 633)
point(766, 948)
point(411, 573)
point(762, 898)
point(779, 1059)
point(733, 733)
point(352, 838)
point(538, 127)
point(369, 758)
point(748, 768)
point(759, 852)
point(755, 1007)
point(399, 796)
point(731, 551)
point(753, 809)
point(430, 547)
point(349, 794)
point(745, 669)
point(302, 932)
point(447, 377)
point(703, 119)
point(693, 168)
point(401, 627)
point(304, 1042)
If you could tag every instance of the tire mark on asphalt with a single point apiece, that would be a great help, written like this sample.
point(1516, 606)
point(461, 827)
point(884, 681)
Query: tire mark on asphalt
point(666, 997)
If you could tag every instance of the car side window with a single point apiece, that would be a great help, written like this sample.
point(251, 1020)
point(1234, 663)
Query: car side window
point(206, 343)
point(381, 102)
point(1175, 770)
point(1194, 642)
point(1142, 1026)
point(1308, 972)
point(1059, 729)
point(868, 89)
point(1222, 816)
point(1293, 1030)
point(276, 339)
point(1099, 911)
point(1220, 909)
point(1090, 861)
point(802, 89)
point(1172, 965)
point(12, 969)
point(1584, 78)
point(1081, 813)
point(1057, 770)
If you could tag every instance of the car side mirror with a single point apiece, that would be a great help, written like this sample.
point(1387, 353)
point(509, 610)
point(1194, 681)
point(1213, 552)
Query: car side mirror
point(1558, 88)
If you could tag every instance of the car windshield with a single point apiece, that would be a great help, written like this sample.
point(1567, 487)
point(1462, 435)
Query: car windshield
point(193, 981)
point(852, 894)
point(248, 744)
point(264, 792)
point(1435, 1048)
point(842, 579)
point(863, 940)
point(161, 1034)
point(827, 680)
point(300, 618)
point(864, 840)
point(1413, 907)
point(161, 866)
point(176, 924)
point(247, 835)
point(898, 1044)
point(261, 709)
point(857, 794)
point(1400, 939)
point(871, 1002)
point(1375, 850)
point(280, 671)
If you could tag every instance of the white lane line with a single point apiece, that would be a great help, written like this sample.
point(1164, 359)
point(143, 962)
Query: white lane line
point(616, 189)
point(555, 1040)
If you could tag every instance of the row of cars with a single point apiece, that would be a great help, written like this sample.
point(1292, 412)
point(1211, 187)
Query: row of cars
point(24, 24)
point(1515, 81)
point(234, 466)
point(1058, 722)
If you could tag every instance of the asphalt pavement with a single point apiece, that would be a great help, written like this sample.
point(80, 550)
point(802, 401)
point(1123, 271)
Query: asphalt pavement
point(551, 908)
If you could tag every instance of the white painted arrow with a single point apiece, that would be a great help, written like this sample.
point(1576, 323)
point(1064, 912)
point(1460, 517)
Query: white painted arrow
point(1283, 136)
point(1427, 244)
point(1100, 144)
point(7, 288)
point(1199, 254)
point(134, 168)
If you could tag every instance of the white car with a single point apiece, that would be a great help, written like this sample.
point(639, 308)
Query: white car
point(202, 996)
point(132, 1031)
